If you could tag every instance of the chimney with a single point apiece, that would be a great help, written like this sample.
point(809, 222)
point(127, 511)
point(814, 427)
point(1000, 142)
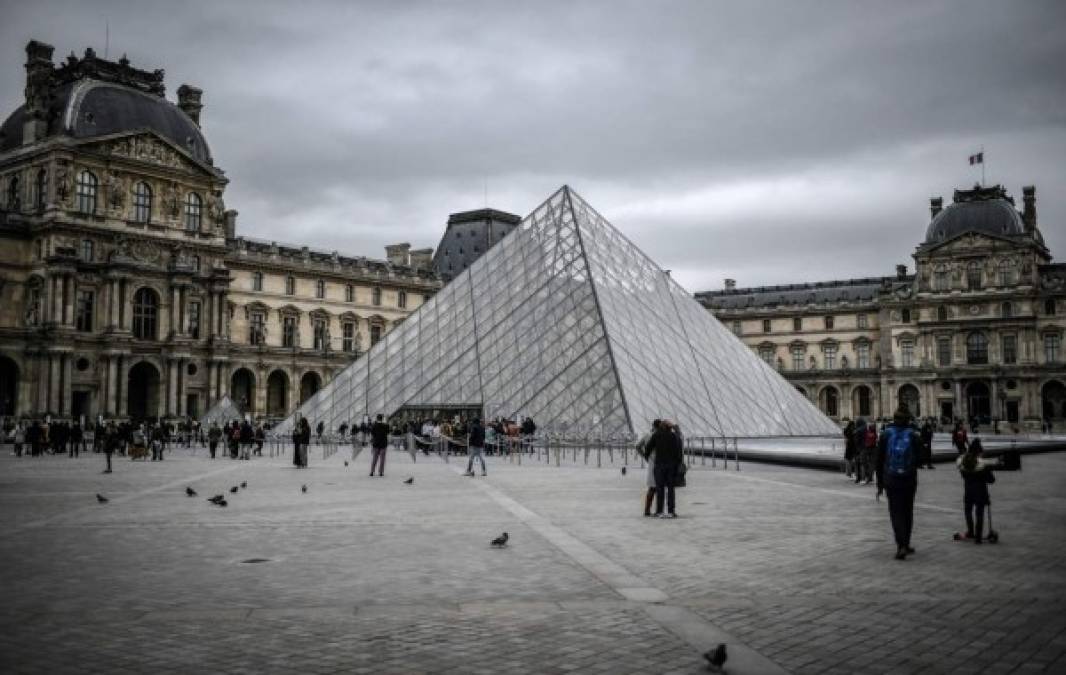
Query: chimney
point(731, 284)
point(398, 254)
point(422, 258)
point(936, 205)
point(1029, 210)
point(901, 272)
point(39, 69)
point(230, 217)
point(189, 102)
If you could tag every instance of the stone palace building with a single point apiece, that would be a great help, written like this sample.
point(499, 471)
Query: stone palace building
point(125, 290)
point(975, 332)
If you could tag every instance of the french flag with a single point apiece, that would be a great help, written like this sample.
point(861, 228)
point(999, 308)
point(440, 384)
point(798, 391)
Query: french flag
point(979, 158)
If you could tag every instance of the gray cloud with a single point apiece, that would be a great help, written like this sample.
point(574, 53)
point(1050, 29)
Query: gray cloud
point(770, 142)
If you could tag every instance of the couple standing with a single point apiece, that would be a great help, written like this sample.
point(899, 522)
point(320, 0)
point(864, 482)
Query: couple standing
point(662, 449)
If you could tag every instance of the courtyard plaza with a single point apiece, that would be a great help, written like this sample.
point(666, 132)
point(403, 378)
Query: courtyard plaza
point(791, 567)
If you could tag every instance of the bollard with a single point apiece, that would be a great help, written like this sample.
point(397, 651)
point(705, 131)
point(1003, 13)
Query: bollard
point(736, 453)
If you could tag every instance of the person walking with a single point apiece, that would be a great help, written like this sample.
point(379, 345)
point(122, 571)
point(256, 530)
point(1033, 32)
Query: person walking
point(157, 435)
point(301, 436)
point(649, 457)
point(667, 448)
point(75, 439)
point(213, 435)
point(898, 451)
point(976, 476)
point(850, 452)
point(958, 437)
point(476, 446)
point(260, 438)
point(111, 443)
point(379, 444)
point(927, 445)
point(868, 454)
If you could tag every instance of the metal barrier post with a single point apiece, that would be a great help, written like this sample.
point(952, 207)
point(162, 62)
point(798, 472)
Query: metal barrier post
point(736, 453)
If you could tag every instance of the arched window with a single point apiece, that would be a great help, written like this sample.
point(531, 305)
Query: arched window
point(41, 189)
point(193, 207)
point(13, 201)
point(973, 275)
point(85, 192)
point(1006, 273)
point(1049, 307)
point(1007, 310)
point(142, 202)
point(376, 296)
point(941, 313)
point(145, 312)
point(976, 348)
point(401, 300)
point(941, 280)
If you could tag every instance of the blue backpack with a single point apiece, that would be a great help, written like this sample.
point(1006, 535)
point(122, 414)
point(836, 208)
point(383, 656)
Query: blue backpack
point(899, 458)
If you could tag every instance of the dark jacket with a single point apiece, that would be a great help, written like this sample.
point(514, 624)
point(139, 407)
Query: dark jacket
point(976, 482)
point(379, 435)
point(477, 435)
point(666, 446)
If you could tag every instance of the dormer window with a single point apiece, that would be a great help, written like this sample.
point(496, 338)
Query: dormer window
point(193, 209)
point(142, 202)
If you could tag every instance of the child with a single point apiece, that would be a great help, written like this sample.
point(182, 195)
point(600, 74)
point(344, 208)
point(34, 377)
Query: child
point(977, 476)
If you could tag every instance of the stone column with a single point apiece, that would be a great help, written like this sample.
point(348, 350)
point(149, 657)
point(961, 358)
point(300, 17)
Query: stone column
point(993, 398)
point(209, 396)
point(68, 299)
point(960, 402)
point(183, 328)
point(42, 383)
point(180, 407)
point(112, 385)
point(209, 320)
point(123, 311)
point(65, 391)
point(122, 386)
point(56, 299)
point(112, 305)
point(53, 383)
point(223, 379)
point(172, 386)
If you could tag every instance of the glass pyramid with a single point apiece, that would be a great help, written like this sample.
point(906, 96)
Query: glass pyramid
point(566, 321)
point(222, 412)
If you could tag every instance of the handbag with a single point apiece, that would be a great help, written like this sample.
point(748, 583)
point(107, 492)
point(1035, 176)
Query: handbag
point(679, 479)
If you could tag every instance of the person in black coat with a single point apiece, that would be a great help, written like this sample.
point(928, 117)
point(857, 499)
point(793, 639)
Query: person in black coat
point(667, 448)
point(379, 444)
point(898, 453)
point(976, 476)
point(927, 445)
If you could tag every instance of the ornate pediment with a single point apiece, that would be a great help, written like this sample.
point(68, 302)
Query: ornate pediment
point(147, 147)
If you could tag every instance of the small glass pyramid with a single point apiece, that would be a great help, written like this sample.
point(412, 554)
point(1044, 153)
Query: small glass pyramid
point(222, 412)
point(566, 321)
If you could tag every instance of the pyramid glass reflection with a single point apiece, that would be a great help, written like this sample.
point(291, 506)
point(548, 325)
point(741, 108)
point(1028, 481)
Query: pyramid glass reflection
point(565, 320)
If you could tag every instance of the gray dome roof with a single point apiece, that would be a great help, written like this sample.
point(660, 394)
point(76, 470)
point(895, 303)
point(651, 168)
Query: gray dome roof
point(88, 108)
point(989, 211)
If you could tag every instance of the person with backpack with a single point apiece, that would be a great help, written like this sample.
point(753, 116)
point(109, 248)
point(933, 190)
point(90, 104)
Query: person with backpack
point(898, 451)
point(976, 477)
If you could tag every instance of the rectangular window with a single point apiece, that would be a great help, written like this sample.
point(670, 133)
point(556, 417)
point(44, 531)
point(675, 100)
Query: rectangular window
point(906, 349)
point(1010, 349)
point(401, 300)
point(1052, 344)
point(84, 320)
point(33, 306)
point(767, 354)
point(376, 296)
point(194, 320)
point(830, 354)
point(829, 323)
point(290, 285)
point(320, 334)
point(320, 289)
point(797, 324)
point(862, 356)
point(288, 331)
point(349, 293)
point(766, 325)
point(87, 250)
point(943, 351)
point(348, 343)
point(375, 334)
point(940, 279)
point(797, 358)
point(257, 281)
point(906, 315)
point(861, 321)
point(737, 329)
point(256, 328)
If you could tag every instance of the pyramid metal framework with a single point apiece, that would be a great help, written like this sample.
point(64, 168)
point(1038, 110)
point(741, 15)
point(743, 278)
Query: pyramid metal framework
point(223, 412)
point(567, 321)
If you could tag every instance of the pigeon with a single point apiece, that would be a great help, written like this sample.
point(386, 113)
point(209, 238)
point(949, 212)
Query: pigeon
point(190, 492)
point(303, 488)
point(345, 462)
point(409, 480)
point(623, 471)
point(233, 489)
point(500, 541)
point(716, 657)
point(216, 499)
point(244, 484)
point(223, 503)
point(100, 498)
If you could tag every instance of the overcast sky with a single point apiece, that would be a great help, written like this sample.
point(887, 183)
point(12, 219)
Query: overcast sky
point(769, 142)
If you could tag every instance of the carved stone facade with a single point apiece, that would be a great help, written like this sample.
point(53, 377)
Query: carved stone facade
point(124, 289)
point(976, 332)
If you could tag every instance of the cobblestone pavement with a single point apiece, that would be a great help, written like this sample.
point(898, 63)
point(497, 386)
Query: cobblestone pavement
point(792, 567)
